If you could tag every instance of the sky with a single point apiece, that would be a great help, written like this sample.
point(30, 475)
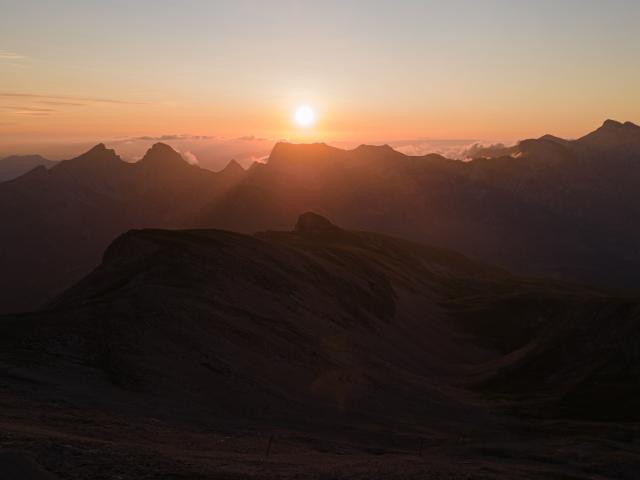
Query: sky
point(72, 72)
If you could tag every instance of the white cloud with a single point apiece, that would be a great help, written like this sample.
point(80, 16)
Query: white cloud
point(453, 149)
point(190, 157)
point(5, 55)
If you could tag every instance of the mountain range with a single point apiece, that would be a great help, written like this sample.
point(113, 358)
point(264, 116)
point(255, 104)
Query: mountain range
point(17, 165)
point(57, 221)
point(319, 351)
point(565, 209)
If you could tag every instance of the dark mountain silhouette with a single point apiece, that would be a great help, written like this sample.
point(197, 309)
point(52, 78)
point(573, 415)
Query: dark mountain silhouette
point(56, 222)
point(550, 207)
point(233, 168)
point(16, 165)
point(613, 134)
point(340, 341)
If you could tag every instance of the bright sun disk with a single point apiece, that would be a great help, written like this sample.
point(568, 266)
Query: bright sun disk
point(304, 116)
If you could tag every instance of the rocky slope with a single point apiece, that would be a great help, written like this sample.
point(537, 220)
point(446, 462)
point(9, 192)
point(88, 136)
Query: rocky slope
point(337, 337)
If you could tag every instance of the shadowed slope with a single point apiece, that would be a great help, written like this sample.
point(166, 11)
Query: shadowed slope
point(326, 319)
point(317, 319)
point(204, 342)
point(57, 222)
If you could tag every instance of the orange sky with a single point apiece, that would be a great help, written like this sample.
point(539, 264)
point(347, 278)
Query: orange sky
point(496, 71)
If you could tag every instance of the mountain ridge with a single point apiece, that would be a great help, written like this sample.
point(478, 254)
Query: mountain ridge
point(60, 219)
point(550, 208)
point(320, 341)
point(16, 165)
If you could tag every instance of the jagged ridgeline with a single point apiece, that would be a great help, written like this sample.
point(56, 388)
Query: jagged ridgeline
point(546, 207)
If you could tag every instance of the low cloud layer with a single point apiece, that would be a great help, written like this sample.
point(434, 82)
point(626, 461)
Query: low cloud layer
point(252, 138)
point(478, 150)
point(208, 151)
point(447, 148)
point(168, 138)
point(215, 152)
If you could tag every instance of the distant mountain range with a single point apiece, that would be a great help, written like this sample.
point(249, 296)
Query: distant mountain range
point(58, 221)
point(546, 207)
point(16, 165)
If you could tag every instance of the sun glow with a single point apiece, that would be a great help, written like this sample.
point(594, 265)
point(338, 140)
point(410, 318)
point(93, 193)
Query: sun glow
point(304, 116)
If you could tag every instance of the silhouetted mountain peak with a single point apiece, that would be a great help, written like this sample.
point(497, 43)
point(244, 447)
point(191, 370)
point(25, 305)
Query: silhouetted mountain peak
point(306, 151)
point(378, 149)
point(609, 124)
point(100, 147)
point(233, 167)
point(615, 126)
point(162, 154)
point(547, 149)
point(379, 153)
point(99, 153)
point(553, 138)
point(312, 223)
point(613, 133)
point(161, 149)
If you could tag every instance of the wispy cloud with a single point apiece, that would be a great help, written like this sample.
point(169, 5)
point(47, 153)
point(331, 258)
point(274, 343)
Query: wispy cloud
point(167, 138)
point(74, 99)
point(27, 111)
point(62, 104)
point(251, 138)
point(32, 109)
point(5, 55)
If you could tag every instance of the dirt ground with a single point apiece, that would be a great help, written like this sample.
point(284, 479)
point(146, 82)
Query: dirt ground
point(59, 441)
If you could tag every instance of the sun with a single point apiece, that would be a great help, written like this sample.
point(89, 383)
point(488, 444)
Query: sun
point(304, 116)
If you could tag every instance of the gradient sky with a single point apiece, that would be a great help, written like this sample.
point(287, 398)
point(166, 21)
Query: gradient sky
point(371, 69)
